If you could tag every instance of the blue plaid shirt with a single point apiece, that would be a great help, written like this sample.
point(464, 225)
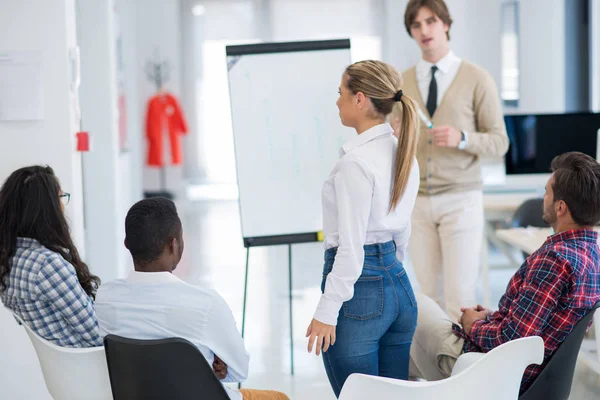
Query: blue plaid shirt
point(43, 290)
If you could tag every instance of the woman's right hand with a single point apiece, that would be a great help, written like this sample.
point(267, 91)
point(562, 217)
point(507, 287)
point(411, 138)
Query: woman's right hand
point(323, 333)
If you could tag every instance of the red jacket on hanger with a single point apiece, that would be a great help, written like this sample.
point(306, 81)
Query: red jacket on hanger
point(164, 115)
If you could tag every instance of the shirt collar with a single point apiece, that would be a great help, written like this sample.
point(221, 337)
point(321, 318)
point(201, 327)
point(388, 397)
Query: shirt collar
point(424, 67)
point(366, 136)
point(151, 277)
point(27, 242)
point(578, 235)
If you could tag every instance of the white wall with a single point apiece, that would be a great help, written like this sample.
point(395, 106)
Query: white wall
point(299, 20)
point(48, 27)
point(102, 170)
point(52, 140)
point(475, 34)
point(398, 48)
point(131, 158)
point(219, 15)
point(193, 22)
point(542, 52)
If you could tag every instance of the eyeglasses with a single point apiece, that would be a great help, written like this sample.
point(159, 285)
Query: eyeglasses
point(65, 198)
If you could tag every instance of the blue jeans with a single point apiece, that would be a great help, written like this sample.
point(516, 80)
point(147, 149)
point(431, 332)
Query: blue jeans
point(375, 328)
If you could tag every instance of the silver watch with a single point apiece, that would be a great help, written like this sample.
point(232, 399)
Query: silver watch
point(464, 139)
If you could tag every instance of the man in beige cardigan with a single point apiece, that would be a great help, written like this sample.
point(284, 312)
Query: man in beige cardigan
point(462, 101)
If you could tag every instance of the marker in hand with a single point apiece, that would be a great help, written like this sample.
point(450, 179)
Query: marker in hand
point(425, 120)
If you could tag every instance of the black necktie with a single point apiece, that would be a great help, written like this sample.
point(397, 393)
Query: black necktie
point(432, 98)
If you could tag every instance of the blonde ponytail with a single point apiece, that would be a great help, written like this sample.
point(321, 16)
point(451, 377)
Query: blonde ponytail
point(380, 82)
point(405, 112)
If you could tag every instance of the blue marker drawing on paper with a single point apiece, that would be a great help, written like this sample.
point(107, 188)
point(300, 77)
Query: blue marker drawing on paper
point(231, 61)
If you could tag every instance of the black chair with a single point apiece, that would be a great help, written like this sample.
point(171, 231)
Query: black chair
point(554, 382)
point(160, 369)
point(530, 213)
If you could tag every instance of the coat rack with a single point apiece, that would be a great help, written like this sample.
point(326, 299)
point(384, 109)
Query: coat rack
point(158, 72)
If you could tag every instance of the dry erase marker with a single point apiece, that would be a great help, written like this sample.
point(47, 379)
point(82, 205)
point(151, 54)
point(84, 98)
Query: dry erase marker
point(425, 120)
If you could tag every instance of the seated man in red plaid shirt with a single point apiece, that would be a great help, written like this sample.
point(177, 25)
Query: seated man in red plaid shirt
point(555, 287)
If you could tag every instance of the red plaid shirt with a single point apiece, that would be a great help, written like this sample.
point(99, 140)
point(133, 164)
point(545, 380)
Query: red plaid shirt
point(555, 287)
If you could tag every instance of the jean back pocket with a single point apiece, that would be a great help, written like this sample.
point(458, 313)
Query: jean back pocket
point(367, 301)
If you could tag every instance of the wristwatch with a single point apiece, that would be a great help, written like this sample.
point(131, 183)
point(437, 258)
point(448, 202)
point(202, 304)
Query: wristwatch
point(464, 138)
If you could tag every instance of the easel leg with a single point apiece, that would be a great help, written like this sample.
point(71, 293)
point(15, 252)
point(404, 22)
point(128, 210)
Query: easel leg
point(245, 296)
point(245, 291)
point(291, 308)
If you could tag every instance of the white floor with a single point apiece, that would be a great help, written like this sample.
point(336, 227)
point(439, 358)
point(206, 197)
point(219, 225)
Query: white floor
point(215, 256)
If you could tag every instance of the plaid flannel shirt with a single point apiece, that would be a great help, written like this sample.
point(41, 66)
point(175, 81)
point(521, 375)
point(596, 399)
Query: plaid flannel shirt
point(555, 287)
point(43, 290)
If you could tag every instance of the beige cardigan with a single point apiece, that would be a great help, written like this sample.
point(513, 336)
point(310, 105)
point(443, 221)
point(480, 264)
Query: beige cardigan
point(470, 104)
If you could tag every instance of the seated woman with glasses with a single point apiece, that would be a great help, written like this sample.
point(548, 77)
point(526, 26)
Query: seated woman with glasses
point(42, 278)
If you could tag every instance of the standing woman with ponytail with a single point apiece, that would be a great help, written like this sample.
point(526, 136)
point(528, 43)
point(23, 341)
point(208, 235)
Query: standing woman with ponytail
point(367, 314)
point(42, 278)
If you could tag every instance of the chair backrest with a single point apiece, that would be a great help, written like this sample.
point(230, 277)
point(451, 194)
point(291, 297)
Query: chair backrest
point(480, 377)
point(160, 369)
point(69, 373)
point(530, 214)
point(512, 358)
point(554, 382)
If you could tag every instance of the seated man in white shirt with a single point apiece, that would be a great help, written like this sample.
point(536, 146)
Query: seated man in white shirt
point(152, 303)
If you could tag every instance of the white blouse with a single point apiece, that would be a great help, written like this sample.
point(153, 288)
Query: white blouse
point(356, 199)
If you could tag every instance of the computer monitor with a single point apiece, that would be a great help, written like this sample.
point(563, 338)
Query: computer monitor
point(535, 139)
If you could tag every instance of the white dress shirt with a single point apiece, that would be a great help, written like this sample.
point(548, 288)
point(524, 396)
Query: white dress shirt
point(447, 69)
point(158, 305)
point(356, 199)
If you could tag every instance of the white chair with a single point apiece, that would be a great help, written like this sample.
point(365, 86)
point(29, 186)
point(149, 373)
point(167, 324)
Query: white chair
point(69, 373)
point(496, 374)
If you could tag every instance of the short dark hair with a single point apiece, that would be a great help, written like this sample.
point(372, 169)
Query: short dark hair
point(577, 183)
point(150, 224)
point(438, 7)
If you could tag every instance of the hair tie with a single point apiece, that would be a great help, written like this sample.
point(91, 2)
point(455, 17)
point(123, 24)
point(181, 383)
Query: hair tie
point(398, 95)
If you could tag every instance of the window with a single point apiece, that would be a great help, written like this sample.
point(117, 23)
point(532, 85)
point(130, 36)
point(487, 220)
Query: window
point(510, 92)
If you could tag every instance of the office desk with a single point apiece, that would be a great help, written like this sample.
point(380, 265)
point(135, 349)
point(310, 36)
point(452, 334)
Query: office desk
point(526, 239)
point(499, 206)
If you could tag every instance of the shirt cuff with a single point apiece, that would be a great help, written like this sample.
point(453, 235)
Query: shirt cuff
point(476, 324)
point(458, 331)
point(328, 310)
